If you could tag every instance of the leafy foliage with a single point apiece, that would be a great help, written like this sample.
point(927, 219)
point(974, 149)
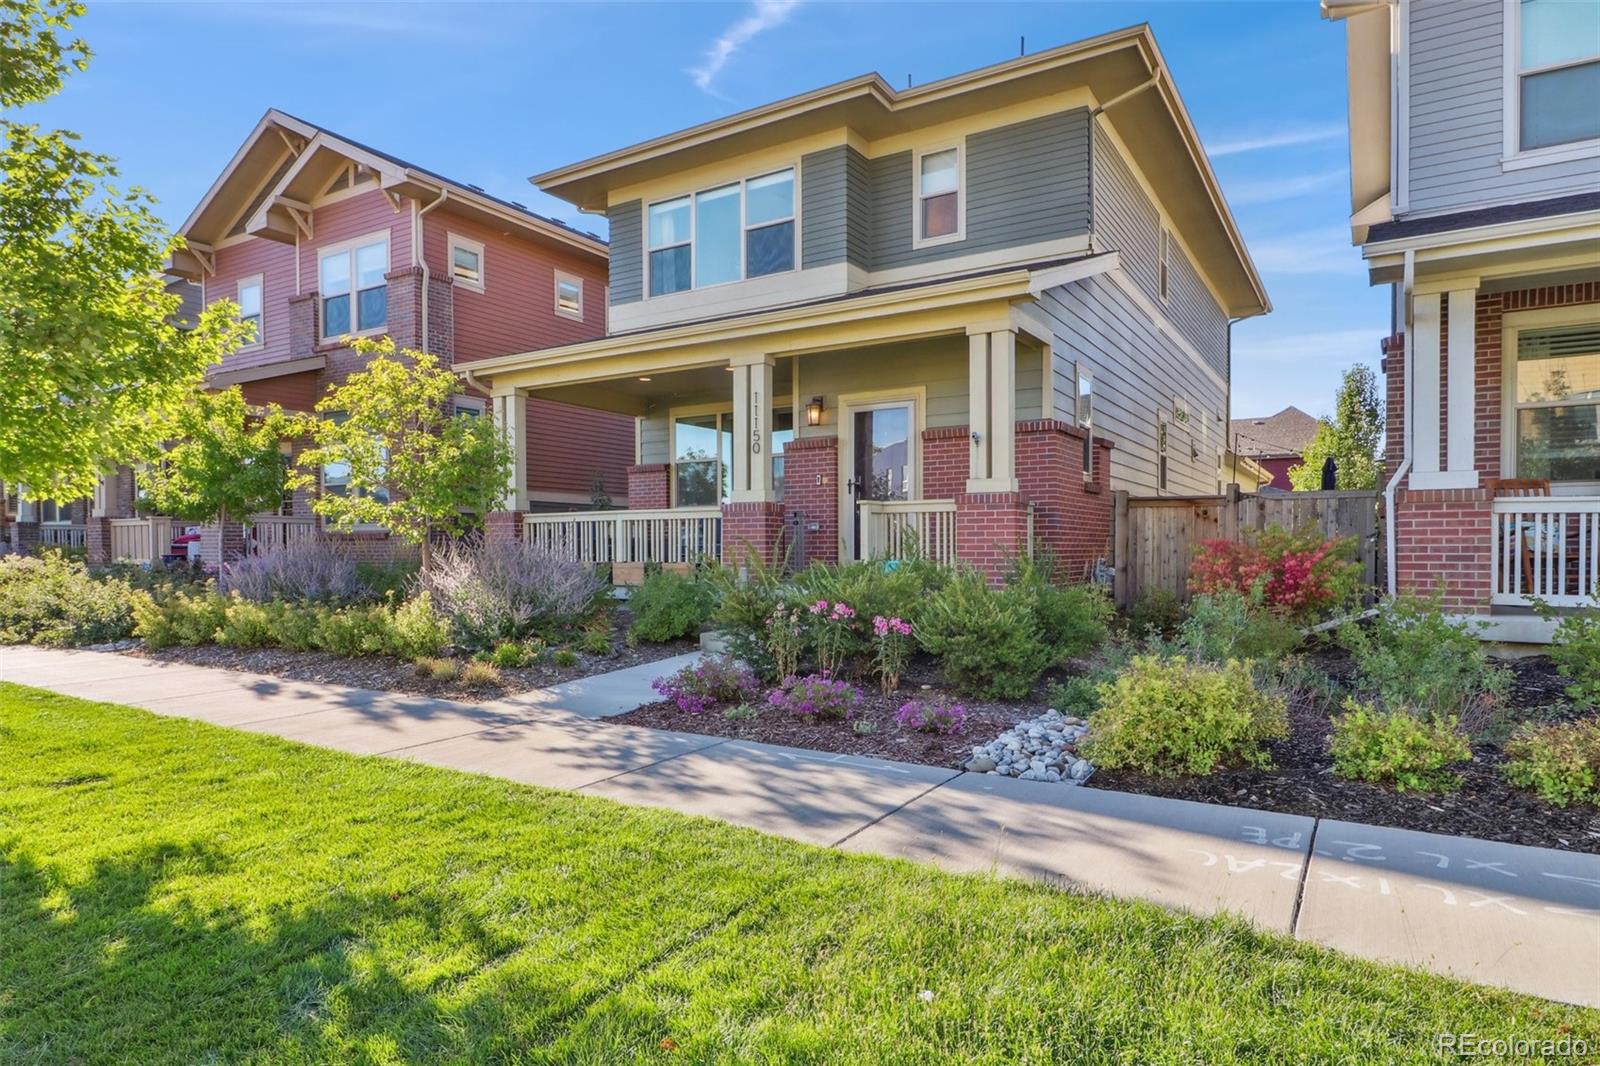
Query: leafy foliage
point(1412, 655)
point(1157, 613)
point(1576, 653)
point(406, 630)
point(706, 683)
point(815, 696)
point(187, 618)
point(1410, 751)
point(988, 641)
point(49, 599)
point(669, 606)
point(1351, 438)
point(1169, 717)
point(1560, 762)
point(222, 460)
point(1226, 625)
point(308, 570)
point(1072, 618)
point(1298, 575)
point(512, 590)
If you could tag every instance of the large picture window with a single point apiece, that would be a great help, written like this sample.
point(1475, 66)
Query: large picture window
point(1557, 402)
point(702, 460)
point(353, 287)
point(744, 229)
point(1558, 72)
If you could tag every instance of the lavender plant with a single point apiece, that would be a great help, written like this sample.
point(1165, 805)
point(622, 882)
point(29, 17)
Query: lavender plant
point(511, 590)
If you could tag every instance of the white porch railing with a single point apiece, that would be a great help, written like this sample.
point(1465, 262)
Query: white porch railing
point(895, 529)
point(1546, 548)
point(270, 532)
point(61, 535)
point(140, 540)
point(670, 535)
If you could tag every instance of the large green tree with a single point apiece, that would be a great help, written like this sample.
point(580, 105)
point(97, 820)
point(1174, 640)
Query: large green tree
point(224, 460)
point(90, 360)
point(410, 463)
point(1351, 438)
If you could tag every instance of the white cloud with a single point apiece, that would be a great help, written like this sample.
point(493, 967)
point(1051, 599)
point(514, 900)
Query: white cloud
point(764, 15)
point(1264, 191)
point(1284, 138)
point(1318, 251)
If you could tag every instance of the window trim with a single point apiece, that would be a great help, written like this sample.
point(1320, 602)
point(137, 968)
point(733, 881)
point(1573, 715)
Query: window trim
point(456, 240)
point(1512, 324)
point(260, 282)
point(349, 248)
point(1082, 377)
point(1512, 155)
point(779, 403)
point(793, 166)
point(555, 295)
point(960, 234)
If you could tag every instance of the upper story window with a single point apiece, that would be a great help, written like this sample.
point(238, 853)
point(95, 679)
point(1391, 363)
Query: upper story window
point(938, 181)
point(741, 230)
point(1558, 72)
point(351, 280)
point(466, 262)
point(569, 295)
point(250, 291)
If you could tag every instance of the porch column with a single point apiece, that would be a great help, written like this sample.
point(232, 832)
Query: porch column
point(511, 415)
point(752, 429)
point(992, 403)
point(1438, 350)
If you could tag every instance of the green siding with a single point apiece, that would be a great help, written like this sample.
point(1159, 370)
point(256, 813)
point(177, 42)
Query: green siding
point(627, 262)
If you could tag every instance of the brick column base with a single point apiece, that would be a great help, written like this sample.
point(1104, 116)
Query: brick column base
point(1072, 516)
point(220, 543)
point(991, 532)
point(25, 537)
point(649, 486)
point(97, 540)
point(752, 529)
point(1444, 539)
point(811, 492)
point(503, 525)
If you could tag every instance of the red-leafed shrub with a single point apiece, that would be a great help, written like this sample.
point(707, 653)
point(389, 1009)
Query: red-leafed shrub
point(1299, 575)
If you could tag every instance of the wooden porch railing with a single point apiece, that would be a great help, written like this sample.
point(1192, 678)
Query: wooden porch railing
point(140, 540)
point(61, 535)
point(270, 532)
point(1546, 548)
point(895, 529)
point(670, 535)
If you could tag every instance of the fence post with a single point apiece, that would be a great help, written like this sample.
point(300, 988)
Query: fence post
point(1228, 517)
point(1121, 550)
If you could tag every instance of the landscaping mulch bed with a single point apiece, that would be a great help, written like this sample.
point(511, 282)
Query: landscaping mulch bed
point(887, 740)
point(1486, 806)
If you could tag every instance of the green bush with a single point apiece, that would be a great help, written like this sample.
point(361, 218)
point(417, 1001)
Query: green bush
point(1072, 618)
point(247, 624)
point(1559, 762)
point(393, 578)
point(1226, 625)
point(1158, 613)
point(987, 640)
point(565, 658)
point(415, 628)
point(50, 599)
point(509, 656)
point(1078, 696)
point(1410, 751)
point(1576, 653)
point(1170, 717)
point(669, 606)
point(297, 628)
point(1412, 655)
point(744, 602)
point(186, 618)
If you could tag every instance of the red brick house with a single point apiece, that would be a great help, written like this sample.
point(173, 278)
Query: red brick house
point(1277, 442)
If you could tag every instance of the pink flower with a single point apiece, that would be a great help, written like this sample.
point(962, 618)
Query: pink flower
point(819, 606)
point(842, 611)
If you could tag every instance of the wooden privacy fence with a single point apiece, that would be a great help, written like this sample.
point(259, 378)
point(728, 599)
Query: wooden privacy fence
point(1153, 540)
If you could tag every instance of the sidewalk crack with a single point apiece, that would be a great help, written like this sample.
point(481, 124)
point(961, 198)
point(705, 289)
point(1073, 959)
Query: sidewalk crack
point(895, 810)
point(1300, 885)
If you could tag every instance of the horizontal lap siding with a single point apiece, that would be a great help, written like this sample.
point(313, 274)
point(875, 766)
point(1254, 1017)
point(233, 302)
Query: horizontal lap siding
point(627, 244)
point(835, 208)
point(275, 262)
point(569, 447)
point(358, 216)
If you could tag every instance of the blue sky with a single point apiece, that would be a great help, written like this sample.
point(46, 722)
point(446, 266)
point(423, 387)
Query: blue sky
point(490, 93)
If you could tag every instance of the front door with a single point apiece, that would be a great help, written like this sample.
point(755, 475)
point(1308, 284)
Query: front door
point(881, 459)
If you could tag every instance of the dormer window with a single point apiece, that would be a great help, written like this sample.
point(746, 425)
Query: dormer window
point(1558, 72)
point(731, 232)
point(938, 177)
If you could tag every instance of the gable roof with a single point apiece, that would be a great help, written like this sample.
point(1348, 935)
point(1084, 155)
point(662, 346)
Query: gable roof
point(1284, 434)
point(1118, 68)
point(284, 156)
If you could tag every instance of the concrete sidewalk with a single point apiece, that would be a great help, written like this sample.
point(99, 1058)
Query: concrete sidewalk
point(1523, 918)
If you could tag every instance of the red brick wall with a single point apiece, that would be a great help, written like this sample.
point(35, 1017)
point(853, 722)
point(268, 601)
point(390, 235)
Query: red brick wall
point(1443, 542)
point(946, 462)
point(752, 527)
point(1071, 517)
point(811, 489)
point(650, 486)
point(991, 531)
point(502, 525)
point(1394, 405)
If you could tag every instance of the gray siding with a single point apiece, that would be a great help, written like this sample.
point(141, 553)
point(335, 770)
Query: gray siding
point(627, 241)
point(1457, 121)
point(1026, 182)
point(1190, 304)
point(1137, 373)
point(835, 208)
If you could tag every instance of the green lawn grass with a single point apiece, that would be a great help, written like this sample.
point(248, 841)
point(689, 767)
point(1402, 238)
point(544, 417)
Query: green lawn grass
point(175, 892)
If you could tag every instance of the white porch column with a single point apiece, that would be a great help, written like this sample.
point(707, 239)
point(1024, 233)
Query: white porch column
point(511, 415)
point(992, 403)
point(752, 429)
point(1461, 423)
point(1458, 351)
point(1425, 382)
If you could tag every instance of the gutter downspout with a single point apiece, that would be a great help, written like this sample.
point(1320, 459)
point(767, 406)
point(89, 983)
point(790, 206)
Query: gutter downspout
point(420, 260)
point(1405, 463)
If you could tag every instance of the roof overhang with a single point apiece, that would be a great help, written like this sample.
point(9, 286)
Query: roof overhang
point(1529, 247)
point(220, 378)
point(1371, 44)
point(1114, 67)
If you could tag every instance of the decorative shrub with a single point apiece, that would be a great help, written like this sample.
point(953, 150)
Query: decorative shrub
point(744, 603)
point(1411, 655)
point(480, 675)
point(987, 640)
point(938, 714)
point(1158, 613)
point(1170, 717)
point(1410, 751)
point(742, 712)
point(509, 656)
point(187, 618)
point(247, 624)
point(669, 606)
point(355, 631)
point(511, 590)
point(815, 696)
point(565, 658)
point(1559, 762)
point(1576, 653)
point(415, 628)
point(893, 589)
point(50, 599)
point(832, 633)
point(1078, 696)
point(786, 639)
point(443, 671)
point(1300, 575)
point(704, 684)
point(394, 577)
point(1072, 618)
point(596, 636)
point(892, 643)
point(309, 570)
point(1227, 625)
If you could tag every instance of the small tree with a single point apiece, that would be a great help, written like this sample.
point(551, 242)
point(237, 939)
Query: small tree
point(414, 466)
point(1351, 438)
point(225, 460)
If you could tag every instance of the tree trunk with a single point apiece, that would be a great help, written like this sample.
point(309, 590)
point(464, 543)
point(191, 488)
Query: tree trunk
point(427, 551)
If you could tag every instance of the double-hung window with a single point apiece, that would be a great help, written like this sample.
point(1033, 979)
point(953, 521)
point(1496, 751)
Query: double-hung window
point(250, 291)
point(1557, 72)
point(938, 188)
point(1557, 402)
point(351, 279)
point(745, 229)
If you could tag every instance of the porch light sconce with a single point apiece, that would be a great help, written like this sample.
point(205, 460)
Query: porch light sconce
point(814, 411)
point(977, 438)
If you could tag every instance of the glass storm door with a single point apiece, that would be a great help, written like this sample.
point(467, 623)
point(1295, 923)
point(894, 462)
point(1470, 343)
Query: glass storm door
point(881, 461)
